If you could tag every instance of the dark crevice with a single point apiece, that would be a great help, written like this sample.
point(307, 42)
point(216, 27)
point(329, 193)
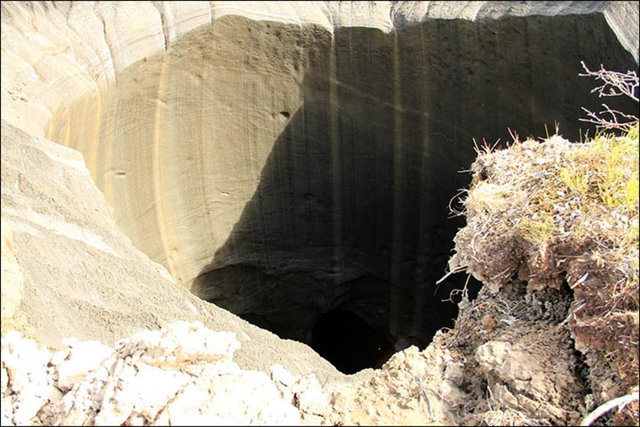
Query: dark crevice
point(349, 342)
point(582, 371)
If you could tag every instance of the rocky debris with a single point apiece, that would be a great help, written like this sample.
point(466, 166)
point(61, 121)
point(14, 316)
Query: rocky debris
point(511, 370)
point(27, 384)
point(73, 365)
point(183, 374)
point(306, 393)
point(413, 388)
point(527, 382)
point(518, 368)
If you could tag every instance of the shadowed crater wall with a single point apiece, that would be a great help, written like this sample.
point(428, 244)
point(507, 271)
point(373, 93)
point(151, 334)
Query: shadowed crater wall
point(301, 179)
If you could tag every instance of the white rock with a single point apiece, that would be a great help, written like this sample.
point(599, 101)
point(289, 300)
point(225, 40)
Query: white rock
point(119, 397)
point(136, 420)
point(154, 387)
point(246, 397)
point(27, 376)
point(54, 395)
point(149, 379)
point(181, 342)
point(187, 408)
point(142, 390)
point(58, 357)
point(279, 373)
point(309, 395)
point(82, 359)
point(7, 411)
point(78, 406)
point(492, 353)
point(26, 407)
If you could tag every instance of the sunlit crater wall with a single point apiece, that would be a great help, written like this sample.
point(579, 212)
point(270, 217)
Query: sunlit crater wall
point(285, 160)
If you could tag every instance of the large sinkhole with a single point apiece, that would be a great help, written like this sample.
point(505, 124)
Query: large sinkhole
point(302, 179)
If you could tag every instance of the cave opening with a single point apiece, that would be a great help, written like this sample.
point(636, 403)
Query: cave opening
point(302, 179)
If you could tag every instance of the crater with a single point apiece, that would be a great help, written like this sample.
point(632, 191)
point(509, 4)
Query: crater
point(331, 227)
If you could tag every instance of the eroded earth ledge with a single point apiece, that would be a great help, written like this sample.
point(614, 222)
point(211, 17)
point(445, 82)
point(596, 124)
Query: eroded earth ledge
point(292, 163)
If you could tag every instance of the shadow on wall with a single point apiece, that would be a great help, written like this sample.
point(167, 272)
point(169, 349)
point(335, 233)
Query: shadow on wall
point(352, 207)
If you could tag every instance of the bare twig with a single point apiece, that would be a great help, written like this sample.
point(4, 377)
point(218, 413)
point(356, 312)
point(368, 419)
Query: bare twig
point(615, 84)
point(620, 402)
point(614, 122)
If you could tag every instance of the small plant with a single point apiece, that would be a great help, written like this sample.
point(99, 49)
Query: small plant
point(577, 181)
point(537, 231)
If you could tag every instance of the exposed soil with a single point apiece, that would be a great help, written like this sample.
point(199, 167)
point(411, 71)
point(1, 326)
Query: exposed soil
point(557, 251)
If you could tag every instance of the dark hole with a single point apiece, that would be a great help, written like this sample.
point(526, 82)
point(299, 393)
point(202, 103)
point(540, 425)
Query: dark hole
point(285, 114)
point(349, 343)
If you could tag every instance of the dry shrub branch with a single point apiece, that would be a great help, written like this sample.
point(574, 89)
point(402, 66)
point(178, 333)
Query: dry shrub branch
point(614, 84)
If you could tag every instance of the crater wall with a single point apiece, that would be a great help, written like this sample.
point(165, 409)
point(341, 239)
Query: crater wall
point(283, 159)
